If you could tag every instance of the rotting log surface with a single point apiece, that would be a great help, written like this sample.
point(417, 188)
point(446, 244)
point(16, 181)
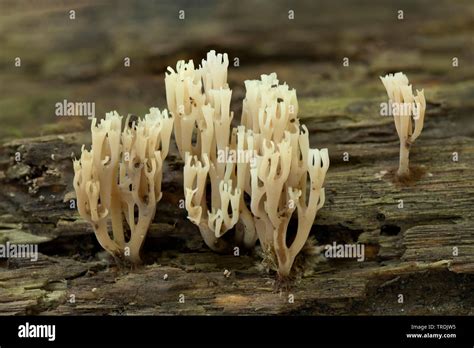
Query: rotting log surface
point(409, 250)
point(424, 250)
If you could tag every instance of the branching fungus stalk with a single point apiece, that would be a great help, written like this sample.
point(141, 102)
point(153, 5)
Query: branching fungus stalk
point(200, 100)
point(121, 177)
point(279, 181)
point(407, 109)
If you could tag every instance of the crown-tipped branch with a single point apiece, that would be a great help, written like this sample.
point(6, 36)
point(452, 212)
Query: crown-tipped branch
point(407, 109)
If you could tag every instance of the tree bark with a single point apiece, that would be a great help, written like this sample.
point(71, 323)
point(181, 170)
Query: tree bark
point(428, 241)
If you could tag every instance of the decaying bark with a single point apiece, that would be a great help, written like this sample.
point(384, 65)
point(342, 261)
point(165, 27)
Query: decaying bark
point(419, 239)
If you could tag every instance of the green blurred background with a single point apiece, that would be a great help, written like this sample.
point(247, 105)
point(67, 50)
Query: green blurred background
point(83, 59)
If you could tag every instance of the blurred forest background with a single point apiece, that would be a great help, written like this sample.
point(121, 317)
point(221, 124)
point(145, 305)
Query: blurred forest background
point(83, 59)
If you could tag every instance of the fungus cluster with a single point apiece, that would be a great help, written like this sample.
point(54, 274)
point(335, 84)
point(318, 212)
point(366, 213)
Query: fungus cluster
point(270, 160)
point(249, 179)
point(288, 175)
point(407, 109)
point(119, 179)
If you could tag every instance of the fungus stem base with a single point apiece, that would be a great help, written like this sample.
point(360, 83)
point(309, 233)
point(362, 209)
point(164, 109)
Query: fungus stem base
point(403, 169)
